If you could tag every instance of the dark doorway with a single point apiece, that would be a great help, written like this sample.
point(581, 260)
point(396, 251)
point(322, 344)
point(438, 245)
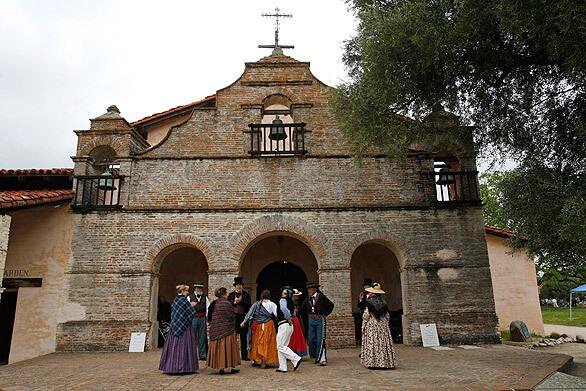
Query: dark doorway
point(278, 274)
point(7, 312)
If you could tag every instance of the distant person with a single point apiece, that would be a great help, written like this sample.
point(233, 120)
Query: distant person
point(318, 307)
point(241, 301)
point(223, 350)
point(377, 350)
point(554, 302)
point(262, 343)
point(199, 320)
point(179, 352)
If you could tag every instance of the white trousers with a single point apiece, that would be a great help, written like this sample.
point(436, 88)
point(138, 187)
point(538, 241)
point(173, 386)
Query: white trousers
point(285, 353)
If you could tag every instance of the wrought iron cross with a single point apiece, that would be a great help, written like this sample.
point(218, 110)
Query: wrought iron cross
point(277, 48)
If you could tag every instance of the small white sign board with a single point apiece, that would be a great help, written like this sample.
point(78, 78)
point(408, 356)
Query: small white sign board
point(137, 341)
point(429, 335)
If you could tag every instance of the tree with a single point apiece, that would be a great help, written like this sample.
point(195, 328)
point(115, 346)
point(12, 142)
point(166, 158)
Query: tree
point(491, 195)
point(514, 70)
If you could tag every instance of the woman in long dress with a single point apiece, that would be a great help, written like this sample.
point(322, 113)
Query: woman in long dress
point(377, 343)
point(262, 341)
point(179, 352)
point(223, 348)
point(297, 343)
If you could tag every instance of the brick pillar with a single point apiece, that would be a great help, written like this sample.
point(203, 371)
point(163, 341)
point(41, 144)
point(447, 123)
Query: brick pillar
point(335, 283)
point(4, 235)
point(220, 278)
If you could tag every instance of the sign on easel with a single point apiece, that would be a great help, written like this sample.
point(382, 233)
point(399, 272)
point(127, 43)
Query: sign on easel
point(429, 335)
point(137, 341)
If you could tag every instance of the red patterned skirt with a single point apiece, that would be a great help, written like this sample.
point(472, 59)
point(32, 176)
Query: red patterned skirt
point(297, 343)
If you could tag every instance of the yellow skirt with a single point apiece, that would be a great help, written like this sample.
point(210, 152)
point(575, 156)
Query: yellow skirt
point(264, 343)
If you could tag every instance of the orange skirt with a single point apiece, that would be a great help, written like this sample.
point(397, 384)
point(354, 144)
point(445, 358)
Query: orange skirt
point(264, 343)
point(224, 353)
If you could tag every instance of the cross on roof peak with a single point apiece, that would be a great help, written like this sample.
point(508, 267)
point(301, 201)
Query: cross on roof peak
point(277, 48)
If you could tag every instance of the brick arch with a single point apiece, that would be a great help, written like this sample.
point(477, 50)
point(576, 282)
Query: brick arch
point(380, 236)
point(295, 227)
point(163, 247)
point(116, 144)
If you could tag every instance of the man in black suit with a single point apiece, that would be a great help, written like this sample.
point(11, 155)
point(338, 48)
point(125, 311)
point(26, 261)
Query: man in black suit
point(242, 303)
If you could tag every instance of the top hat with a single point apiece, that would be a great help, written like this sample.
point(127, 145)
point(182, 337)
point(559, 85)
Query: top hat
point(367, 281)
point(311, 284)
point(198, 285)
point(238, 280)
point(375, 288)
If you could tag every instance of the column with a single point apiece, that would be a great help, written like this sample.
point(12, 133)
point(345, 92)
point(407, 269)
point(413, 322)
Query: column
point(335, 283)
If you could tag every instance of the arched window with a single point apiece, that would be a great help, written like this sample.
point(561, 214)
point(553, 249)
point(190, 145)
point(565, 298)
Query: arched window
point(277, 134)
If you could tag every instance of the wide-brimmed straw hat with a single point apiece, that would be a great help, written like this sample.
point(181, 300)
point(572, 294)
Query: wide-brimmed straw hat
point(375, 288)
point(198, 285)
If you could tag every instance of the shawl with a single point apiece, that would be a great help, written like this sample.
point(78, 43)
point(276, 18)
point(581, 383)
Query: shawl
point(181, 315)
point(258, 313)
point(377, 306)
point(222, 319)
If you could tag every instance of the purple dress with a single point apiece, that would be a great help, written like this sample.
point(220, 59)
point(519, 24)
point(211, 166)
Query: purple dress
point(180, 352)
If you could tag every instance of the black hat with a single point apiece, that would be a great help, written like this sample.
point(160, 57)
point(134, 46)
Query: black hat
point(367, 281)
point(238, 280)
point(311, 284)
point(286, 287)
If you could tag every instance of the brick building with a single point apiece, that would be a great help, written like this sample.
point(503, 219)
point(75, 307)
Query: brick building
point(256, 181)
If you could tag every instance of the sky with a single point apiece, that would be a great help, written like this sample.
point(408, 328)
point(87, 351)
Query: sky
point(63, 62)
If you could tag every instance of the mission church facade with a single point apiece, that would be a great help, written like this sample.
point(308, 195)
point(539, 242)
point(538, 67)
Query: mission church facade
point(256, 181)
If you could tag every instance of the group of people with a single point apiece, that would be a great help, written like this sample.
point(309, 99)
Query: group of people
point(266, 333)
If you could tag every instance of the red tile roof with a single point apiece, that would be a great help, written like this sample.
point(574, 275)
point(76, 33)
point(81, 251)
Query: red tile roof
point(10, 199)
point(173, 110)
point(37, 171)
point(489, 229)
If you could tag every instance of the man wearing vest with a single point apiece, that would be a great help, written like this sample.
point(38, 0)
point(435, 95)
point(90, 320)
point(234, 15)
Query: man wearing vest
point(318, 306)
point(199, 320)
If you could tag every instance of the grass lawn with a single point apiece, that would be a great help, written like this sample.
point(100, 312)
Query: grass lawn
point(562, 316)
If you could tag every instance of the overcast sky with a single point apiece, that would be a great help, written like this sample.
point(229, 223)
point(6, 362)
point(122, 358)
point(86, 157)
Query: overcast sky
point(63, 62)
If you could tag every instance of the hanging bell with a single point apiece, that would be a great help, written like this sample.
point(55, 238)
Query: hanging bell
point(106, 182)
point(445, 178)
point(277, 132)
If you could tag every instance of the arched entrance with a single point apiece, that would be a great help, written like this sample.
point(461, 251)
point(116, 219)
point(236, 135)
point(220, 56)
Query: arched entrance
point(181, 264)
point(376, 261)
point(278, 274)
point(277, 259)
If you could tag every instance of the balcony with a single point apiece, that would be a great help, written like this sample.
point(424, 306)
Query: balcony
point(277, 139)
point(454, 187)
point(97, 192)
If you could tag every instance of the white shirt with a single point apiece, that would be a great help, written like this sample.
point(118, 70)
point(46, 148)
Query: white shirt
point(270, 306)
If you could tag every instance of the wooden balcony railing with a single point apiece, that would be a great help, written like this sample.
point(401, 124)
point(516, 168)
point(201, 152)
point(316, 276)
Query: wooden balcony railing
point(277, 139)
point(456, 186)
point(97, 192)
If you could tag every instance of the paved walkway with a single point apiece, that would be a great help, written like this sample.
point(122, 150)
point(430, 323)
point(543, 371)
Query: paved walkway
point(491, 367)
point(571, 331)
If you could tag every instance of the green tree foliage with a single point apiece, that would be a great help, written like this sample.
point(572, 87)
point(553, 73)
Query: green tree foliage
point(515, 70)
point(491, 195)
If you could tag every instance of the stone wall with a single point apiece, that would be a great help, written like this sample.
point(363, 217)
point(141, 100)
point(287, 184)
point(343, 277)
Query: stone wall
point(444, 267)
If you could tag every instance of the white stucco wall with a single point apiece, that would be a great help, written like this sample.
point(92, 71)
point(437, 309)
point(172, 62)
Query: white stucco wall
point(40, 246)
point(514, 283)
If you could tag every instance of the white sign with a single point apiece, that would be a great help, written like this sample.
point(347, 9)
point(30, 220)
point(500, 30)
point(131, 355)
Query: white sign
point(429, 335)
point(137, 341)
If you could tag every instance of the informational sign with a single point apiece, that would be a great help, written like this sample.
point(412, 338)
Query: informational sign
point(137, 341)
point(429, 335)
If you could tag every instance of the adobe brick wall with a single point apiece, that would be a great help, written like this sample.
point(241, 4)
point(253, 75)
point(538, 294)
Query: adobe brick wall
point(442, 253)
point(199, 187)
